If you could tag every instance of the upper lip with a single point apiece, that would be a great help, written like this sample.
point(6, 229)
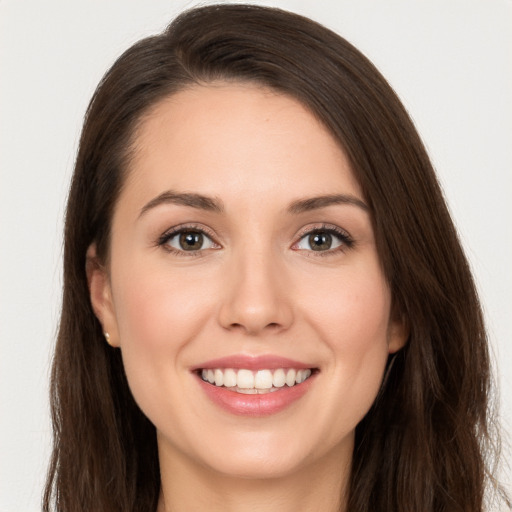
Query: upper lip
point(266, 361)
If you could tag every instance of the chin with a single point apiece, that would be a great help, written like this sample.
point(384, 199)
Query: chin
point(261, 457)
point(261, 468)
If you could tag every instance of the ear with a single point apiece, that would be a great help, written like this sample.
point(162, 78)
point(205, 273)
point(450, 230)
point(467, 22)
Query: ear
point(398, 331)
point(101, 295)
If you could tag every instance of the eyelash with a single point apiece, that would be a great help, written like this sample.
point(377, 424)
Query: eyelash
point(347, 241)
point(168, 235)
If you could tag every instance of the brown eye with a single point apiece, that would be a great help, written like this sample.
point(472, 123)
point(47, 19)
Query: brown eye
point(187, 240)
point(324, 240)
point(191, 241)
point(320, 241)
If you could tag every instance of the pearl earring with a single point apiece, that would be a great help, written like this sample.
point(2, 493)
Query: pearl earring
point(107, 337)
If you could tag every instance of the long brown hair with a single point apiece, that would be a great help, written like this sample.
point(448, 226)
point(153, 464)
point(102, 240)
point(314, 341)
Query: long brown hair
point(426, 442)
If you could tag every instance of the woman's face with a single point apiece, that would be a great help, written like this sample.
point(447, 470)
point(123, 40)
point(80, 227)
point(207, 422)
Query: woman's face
point(242, 252)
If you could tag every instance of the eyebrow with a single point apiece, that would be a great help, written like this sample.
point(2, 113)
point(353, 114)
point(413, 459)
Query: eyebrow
point(185, 199)
point(315, 203)
point(215, 205)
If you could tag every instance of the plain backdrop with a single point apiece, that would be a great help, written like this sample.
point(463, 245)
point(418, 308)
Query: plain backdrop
point(449, 60)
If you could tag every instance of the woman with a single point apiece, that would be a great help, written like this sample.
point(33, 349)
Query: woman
point(265, 303)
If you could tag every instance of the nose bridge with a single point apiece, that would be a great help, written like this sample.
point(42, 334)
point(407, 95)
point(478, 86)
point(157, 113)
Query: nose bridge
point(256, 298)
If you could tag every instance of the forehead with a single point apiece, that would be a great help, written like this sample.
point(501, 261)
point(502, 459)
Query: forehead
point(237, 139)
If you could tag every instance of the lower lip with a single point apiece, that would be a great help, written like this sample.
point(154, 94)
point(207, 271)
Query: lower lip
point(255, 405)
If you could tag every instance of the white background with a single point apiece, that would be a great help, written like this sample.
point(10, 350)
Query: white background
point(449, 60)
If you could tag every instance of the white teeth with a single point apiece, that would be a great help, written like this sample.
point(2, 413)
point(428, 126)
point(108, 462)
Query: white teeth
point(279, 378)
point(302, 375)
point(263, 379)
point(260, 381)
point(245, 379)
point(290, 377)
point(250, 391)
point(229, 378)
point(219, 377)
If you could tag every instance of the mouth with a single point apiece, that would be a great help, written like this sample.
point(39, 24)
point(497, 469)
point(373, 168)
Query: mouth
point(255, 386)
point(252, 382)
point(255, 392)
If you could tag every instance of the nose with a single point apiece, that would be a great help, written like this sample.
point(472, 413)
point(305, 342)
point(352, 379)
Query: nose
point(256, 298)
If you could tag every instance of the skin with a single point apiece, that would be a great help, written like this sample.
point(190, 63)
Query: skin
point(256, 288)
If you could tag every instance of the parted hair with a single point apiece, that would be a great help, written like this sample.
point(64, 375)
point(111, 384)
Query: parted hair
point(428, 442)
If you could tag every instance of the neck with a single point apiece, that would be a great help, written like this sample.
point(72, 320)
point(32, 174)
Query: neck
point(321, 485)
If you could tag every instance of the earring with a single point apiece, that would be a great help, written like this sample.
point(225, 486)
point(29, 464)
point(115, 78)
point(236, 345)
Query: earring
point(107, 337)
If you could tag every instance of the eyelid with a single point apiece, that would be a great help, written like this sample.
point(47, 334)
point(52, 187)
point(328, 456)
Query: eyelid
point(342, 234)
point(176, 230)
point(321, 226)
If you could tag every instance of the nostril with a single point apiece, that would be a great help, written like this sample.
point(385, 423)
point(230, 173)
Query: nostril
point(250, 329)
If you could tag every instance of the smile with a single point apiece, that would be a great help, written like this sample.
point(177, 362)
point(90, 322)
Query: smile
point(255, 386)
point(260, 382)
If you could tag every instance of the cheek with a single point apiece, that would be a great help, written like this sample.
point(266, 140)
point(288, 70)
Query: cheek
point(351, 310)
point(159, 309)
point(351, 318)
point(158, 313)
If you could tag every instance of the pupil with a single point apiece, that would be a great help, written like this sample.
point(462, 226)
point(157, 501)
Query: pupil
point(191, 241)
point(320, 241)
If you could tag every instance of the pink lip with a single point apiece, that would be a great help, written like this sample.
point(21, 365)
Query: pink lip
point(254, 405)
point(269, 362)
